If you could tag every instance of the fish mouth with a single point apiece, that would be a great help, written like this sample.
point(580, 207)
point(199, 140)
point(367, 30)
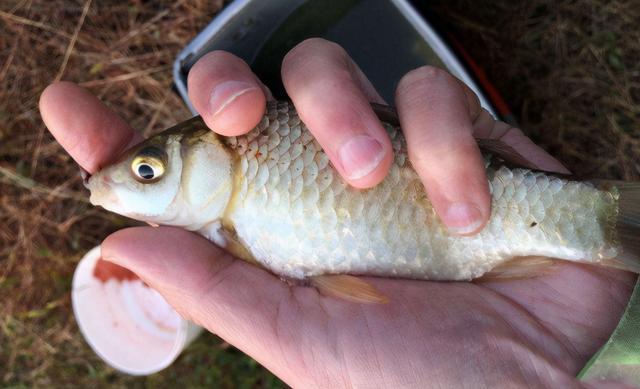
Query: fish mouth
point(101, 191)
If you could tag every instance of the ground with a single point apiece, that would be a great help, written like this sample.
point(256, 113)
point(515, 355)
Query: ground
point(569, 71)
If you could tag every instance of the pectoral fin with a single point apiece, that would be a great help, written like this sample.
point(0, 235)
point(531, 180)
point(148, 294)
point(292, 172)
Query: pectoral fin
point(234, 246)
point(348, 288)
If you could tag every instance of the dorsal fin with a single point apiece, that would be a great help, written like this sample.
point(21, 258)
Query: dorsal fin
point(497, 147)
point(505, 152)
point(386, 113)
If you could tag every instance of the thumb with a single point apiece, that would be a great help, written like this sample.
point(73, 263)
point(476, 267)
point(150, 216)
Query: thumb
point(235, 300)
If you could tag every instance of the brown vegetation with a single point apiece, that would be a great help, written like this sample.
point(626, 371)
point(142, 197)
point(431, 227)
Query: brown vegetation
point(569, 70)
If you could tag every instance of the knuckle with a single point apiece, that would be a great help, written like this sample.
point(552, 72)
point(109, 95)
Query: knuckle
point(315, 44)
point(312, 46)
point(217, 54)
point(424, 74)
point(417, 85)
point(428, 149)
point(310, 43)
point(215, 58)
point(217, 63)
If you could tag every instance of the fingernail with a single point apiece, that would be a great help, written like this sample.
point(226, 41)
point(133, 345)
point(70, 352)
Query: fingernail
point(463, 218)
point(225, 93)
point(360, 156)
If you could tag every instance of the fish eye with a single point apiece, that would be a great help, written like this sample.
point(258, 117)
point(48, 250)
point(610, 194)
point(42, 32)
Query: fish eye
point(148, 165)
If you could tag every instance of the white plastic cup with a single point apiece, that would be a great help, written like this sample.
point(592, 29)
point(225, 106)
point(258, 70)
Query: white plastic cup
point(128, 324)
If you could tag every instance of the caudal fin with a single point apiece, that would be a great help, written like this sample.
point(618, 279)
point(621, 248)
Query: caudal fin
point(628, 226)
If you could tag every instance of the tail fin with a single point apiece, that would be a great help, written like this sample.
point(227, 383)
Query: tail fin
point(628, 226)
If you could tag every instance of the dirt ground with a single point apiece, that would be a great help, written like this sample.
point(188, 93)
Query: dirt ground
point(569, 71)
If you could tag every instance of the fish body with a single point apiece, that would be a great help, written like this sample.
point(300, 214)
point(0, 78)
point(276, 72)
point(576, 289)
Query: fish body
point(272, 196)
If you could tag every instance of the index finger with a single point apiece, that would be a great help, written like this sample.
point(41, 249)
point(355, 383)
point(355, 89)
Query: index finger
point(226, 93)
point(90, 132)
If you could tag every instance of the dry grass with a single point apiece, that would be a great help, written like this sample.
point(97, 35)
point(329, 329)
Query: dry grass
point(568, 69)
point(122, 52)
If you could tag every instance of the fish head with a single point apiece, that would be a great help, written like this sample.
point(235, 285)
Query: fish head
point(143, 183)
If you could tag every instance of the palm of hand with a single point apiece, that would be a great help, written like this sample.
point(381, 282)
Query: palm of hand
point(537, 331)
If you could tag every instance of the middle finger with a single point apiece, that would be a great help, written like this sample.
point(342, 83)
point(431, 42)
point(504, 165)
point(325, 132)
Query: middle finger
point(332, 97)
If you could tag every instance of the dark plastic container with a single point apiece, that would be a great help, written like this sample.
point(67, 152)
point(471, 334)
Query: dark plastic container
point(386, 38)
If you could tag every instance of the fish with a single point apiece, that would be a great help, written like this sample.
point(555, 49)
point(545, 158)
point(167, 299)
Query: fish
point(273, 198)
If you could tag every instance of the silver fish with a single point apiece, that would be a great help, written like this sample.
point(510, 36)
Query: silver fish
point(272, 197)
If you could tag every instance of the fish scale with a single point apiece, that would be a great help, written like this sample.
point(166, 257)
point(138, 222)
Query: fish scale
point(313, 223)
point(273, 196)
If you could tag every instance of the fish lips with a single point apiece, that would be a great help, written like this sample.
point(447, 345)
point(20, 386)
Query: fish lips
point(102, 192)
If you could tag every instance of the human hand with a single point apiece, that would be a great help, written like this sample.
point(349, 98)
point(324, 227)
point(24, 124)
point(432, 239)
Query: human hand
point(535, 331)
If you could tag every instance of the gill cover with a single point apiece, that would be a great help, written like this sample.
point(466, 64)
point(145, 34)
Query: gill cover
point(180, 177)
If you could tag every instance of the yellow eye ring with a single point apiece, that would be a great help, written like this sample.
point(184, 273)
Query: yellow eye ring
point(148, 165)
